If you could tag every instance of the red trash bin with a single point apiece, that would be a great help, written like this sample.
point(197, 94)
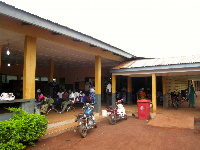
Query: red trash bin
point(144, 109)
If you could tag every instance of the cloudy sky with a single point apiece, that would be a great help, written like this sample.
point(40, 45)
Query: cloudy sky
point(148, 28)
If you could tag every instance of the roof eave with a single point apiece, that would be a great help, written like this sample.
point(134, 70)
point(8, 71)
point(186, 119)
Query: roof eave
point(40, 22)
point(153, 68)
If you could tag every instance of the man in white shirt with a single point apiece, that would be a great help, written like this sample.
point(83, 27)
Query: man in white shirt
point(59, 94)
point(108, 94)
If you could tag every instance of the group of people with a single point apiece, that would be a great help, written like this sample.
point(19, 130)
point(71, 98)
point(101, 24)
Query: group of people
point(74, 96)
point(66, 98)
point(141, 94)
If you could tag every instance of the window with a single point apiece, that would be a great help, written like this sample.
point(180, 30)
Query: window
point(37, 78)
point(11, 78)
point(3, 78)
point(44, 78)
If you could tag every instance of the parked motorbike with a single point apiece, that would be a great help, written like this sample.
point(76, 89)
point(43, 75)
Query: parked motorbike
point(117, 113)
point(174, 99)
point(86, 120)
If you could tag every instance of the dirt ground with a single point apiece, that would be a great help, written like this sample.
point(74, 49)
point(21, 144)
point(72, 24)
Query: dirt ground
point(169, 129)
point(126, 134)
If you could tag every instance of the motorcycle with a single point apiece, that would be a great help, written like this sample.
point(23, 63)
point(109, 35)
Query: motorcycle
point(86, 120)
point(174, 99)
point(117, 113)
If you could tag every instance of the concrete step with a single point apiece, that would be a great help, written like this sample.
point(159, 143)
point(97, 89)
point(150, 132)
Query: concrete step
point(57, 128)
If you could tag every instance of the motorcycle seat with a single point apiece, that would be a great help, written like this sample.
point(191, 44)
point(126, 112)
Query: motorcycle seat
point(80, 115)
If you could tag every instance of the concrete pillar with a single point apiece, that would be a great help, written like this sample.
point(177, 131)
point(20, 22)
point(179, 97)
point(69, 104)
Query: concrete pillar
point(51, 65)
point(154, 92)
point(129, 91)
point(113, 90)
point(98, 83)
point(0, 57)
point(29, 67)
point(102, 89)
point(165, 102)
point(0, 68)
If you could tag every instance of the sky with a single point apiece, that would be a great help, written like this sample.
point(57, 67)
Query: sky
point(144, 28)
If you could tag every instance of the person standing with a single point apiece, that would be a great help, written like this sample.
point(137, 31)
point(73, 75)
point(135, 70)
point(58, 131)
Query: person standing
point(92, 94)
point(108, 94)
point(59, 94)
point(191, 96)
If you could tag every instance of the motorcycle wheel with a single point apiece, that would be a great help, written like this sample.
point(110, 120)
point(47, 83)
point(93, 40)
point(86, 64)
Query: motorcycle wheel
point(125, 117)
point(112, 119)
point(82, 131)
point(95, 126)
point(175, 105)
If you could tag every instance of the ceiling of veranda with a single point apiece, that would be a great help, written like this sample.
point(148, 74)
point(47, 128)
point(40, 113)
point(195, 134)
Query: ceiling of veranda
point(45, 50)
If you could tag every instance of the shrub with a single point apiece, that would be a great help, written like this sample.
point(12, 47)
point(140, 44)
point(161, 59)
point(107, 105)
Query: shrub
point(22, 129)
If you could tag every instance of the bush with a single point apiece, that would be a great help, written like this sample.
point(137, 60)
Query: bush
point(22, 129)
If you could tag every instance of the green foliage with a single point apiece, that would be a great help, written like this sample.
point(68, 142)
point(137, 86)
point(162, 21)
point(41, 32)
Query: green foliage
point(22, 129)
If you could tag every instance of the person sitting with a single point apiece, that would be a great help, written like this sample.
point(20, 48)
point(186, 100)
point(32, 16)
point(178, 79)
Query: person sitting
point(65, 95)
point(38, 93)
point(81, 95)
point(46, 103)
point(141, 94)
point(76, 96)
point(42, 105)
point(66, 103)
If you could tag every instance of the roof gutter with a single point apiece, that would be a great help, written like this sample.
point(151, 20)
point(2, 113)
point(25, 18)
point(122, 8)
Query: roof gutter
point(21, 15)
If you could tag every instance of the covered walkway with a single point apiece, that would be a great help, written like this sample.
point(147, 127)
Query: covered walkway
point(178, 73)
point(42, 52)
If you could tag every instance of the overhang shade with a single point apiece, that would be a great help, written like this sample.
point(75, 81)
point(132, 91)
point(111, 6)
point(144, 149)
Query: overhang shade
point(185, 65)
point(31, 19)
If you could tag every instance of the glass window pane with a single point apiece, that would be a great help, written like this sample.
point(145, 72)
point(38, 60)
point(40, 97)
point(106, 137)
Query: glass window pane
point(37, 78)
point(3, 78)
point(11, 78)
point(44, 78)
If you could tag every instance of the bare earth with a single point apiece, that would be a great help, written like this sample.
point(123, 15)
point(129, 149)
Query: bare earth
point(126, 134)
